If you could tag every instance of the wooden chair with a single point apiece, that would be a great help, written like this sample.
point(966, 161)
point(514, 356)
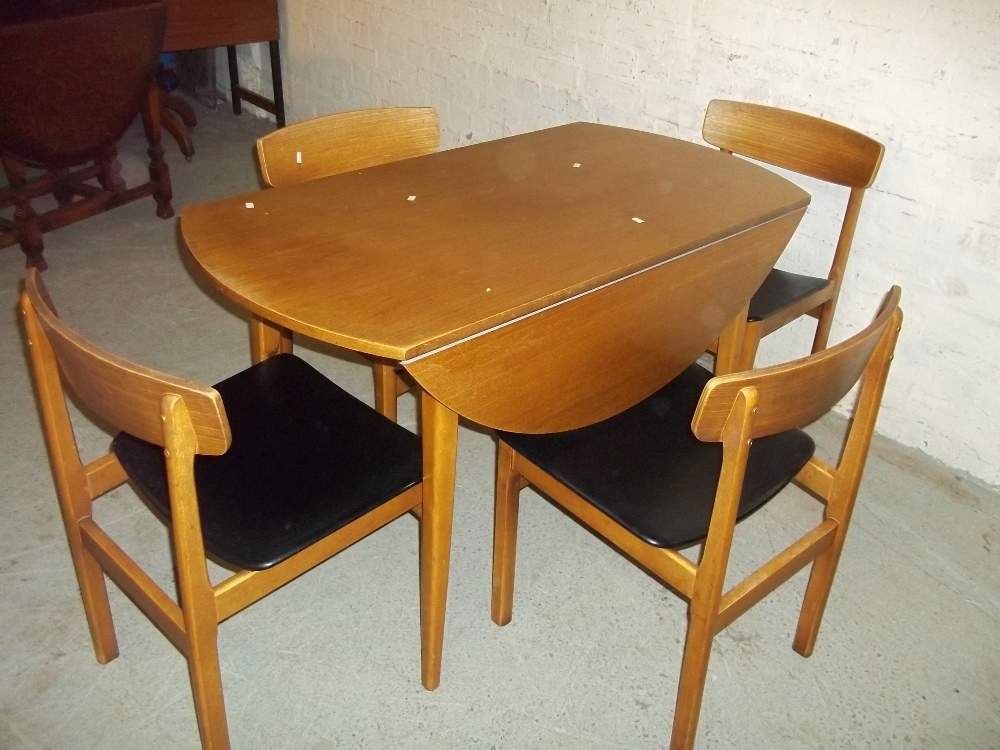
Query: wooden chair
point(655, 479)
point(813, 147)
point(270, 473)
point(73, 76)
point(343, 142)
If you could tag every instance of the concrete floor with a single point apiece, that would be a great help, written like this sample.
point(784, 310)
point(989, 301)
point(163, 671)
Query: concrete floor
point(907, 656)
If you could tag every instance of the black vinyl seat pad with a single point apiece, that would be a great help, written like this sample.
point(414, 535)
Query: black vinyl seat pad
point(781, 289)
point(306, 459)
point(646, 470)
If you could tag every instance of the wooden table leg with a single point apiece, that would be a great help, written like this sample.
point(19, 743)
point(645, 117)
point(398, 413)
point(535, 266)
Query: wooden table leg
point(439, 434)
point(159, 172)
point(731, 344)
point(267, 339)
point(385, 387)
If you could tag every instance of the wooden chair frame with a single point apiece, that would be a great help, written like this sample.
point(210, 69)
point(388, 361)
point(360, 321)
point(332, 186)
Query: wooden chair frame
point(734, 410)
point(334, 144)
point(187, 419)
point(809, 146)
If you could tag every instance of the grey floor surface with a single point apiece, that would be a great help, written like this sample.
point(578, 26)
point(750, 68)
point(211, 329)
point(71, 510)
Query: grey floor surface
point(907, 655)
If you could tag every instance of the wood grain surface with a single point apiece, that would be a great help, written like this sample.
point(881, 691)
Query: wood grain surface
point(494, 232)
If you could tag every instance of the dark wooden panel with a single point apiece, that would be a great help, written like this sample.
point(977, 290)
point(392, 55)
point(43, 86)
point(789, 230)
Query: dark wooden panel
point(194, 24)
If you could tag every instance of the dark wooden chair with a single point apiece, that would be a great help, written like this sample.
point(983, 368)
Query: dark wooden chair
point(342, 142)
point(686, 464)
point(73, 76)
point(270, 472)
point(809, 146)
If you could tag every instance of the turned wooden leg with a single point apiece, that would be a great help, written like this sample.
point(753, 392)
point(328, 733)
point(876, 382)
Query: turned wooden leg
point(159, 173)
point(25, 218)
point(62, 192)
point(110, 175)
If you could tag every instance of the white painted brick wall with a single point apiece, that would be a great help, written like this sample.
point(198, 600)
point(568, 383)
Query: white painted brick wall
point(921, 76)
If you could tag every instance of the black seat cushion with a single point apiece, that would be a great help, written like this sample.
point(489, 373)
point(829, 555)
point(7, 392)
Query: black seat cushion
point(781, 289)
point(645, 469)
point(306, 459)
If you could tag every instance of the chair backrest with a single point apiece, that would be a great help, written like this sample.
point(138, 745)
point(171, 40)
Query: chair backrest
point(126, 395)
point(74, 74)
point(795, 141)
point(796, 393)
point(329, 145)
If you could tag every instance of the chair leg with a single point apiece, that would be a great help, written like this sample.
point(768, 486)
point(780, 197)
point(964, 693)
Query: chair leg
point(505, 535)
point(823, 325)
point(748, 350)
point(385, 387)
point(94, 592)
point(206, 681)
point(817, 594)
point(691, 686)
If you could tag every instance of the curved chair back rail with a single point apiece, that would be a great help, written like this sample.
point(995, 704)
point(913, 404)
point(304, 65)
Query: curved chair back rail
point(796, 393)
point(342, 142)
point(795, 141)
point(73, 76)
point(122, 393)
point(816, 148)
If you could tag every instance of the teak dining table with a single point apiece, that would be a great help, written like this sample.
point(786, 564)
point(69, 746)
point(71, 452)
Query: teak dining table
point(535, 283)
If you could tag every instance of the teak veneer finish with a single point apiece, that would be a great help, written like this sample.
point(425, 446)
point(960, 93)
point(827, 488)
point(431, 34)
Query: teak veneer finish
point(495, 231)
point(498, 234)
point(661, 322)
point(346, 142)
